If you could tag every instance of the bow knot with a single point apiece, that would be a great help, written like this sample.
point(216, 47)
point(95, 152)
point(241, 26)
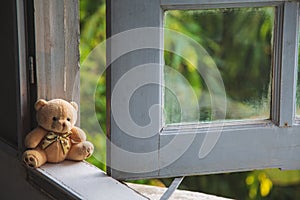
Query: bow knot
point(52, 137)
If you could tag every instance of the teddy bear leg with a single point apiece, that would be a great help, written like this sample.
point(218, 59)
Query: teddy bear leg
point(80, 151)
point(34, 158)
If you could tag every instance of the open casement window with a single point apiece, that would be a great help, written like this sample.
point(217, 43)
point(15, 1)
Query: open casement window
point(144, 142)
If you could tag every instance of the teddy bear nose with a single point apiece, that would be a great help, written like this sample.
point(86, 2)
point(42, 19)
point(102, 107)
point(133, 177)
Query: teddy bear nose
point(62, 122)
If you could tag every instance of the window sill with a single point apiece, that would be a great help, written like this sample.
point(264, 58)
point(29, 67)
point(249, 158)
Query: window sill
point(154, 193)
point(81, 180)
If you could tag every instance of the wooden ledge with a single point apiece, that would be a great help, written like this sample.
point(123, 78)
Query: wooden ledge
point(81, 180)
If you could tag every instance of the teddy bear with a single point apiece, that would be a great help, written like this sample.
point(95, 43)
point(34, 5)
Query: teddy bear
point(56, 138)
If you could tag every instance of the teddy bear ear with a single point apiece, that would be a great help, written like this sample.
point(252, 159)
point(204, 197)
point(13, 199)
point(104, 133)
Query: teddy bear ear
point(40, 103)
point(74, 104)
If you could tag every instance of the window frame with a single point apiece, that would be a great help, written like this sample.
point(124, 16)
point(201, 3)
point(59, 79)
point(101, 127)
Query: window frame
point(48, 47)
point(276, 140)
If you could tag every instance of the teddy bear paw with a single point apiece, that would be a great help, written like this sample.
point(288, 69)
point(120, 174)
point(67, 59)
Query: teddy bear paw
point(30, 160)
point(89, 149)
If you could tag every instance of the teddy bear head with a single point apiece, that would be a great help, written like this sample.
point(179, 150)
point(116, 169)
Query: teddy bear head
point(56, 115)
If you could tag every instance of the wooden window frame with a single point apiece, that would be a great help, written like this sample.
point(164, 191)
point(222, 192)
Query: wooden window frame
point(276, 141)
point(48, 45)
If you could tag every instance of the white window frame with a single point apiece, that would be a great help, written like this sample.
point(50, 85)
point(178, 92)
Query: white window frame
point(259, 144)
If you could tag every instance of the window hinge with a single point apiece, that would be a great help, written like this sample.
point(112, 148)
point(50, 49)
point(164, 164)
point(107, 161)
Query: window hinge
point(31, 70)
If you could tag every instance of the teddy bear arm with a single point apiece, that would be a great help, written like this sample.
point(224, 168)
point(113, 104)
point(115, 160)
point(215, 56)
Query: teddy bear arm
point(78, 135)
point(34, 137)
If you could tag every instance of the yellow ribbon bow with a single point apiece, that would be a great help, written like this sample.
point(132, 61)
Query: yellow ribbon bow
point(52, 137)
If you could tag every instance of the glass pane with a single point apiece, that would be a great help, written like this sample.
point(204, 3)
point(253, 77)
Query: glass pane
point(238, 42)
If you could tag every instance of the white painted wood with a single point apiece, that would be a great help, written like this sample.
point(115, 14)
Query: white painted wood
point(205, 4)
point(238, 149)
point(289, 63)
point(243, 145)
point(86, 181)
point(57, 52)
point(128, 152)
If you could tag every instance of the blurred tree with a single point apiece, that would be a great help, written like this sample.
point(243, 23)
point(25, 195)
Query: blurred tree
point(240, 43)
point(92, 33)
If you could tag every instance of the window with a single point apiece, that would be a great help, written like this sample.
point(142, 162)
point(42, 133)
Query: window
point(146, 143)
point(238, 43)
point(160, 149)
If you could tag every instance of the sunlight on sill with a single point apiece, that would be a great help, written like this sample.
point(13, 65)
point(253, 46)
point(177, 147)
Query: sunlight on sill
point(82, 180)
point(154, 193)
point(86, 181)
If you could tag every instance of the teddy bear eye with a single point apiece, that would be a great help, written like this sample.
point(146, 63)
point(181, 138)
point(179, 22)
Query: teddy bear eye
point(54, 119)
point(68, 119)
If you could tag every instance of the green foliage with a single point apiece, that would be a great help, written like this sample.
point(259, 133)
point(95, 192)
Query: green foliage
point(240, 43)
point(99, 157)
point(92, 28)
point(92, 25)
point(273, 184)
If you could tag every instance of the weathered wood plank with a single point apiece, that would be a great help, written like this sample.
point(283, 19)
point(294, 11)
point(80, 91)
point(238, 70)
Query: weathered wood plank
point(57, 52)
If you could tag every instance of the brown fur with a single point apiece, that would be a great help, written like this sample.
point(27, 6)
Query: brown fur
point(56, 116)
